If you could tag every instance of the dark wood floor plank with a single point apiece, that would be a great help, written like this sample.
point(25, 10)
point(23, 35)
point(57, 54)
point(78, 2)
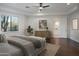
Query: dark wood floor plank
point(68, 47)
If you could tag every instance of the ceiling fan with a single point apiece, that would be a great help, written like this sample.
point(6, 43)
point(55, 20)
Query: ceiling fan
point(41, 6)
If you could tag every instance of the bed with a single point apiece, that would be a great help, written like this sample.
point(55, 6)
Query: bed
point(21, 45)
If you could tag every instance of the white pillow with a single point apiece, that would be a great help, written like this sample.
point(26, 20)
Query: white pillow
point(3, 38)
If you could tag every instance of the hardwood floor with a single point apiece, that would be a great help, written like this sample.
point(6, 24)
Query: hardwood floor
point(68, 47)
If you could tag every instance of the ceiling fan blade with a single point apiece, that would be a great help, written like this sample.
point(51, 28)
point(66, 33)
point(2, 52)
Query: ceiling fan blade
point(46, 6)
point(31, 6)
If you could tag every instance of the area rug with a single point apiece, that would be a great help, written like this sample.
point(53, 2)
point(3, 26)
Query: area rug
point(51, 50)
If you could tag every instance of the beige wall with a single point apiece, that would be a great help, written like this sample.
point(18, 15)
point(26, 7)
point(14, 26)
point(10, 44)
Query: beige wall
point(60, 32)
point(21, 22)
point(73, 34)
point(25, 21)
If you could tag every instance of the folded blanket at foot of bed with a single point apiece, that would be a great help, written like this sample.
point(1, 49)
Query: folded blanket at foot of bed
point(35, 40)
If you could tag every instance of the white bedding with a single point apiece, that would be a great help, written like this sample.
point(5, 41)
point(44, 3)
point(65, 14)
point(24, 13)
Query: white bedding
point(14, 51)
point(28, 46)
point(42, 40)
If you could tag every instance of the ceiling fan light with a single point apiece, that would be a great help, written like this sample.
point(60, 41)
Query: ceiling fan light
point(40, 7)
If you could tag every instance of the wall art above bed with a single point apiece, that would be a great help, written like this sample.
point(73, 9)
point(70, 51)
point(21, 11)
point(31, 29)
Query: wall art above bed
point(9, 23)
point(42, 24)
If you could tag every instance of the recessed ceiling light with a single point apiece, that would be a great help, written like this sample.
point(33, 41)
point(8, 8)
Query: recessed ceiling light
point(68, 3)
point(39, 14)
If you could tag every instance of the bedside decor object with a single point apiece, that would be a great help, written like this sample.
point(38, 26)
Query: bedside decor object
point(30, 30)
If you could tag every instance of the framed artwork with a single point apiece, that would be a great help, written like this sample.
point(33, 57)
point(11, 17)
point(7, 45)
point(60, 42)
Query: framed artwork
point(42, 24)
point(75, 24)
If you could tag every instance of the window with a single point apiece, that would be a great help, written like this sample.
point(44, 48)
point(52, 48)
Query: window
point(75, 24)
point(9, 23)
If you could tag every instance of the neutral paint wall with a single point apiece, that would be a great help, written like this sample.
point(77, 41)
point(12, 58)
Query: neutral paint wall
point(25, 21)
point(21, 22)
point(60, 32)
point(73, 34)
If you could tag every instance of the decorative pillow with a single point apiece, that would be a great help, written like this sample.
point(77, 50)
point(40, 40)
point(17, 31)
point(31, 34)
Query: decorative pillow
point(3, 38)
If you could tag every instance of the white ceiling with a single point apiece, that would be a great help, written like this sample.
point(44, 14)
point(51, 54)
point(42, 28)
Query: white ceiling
point(54, 9)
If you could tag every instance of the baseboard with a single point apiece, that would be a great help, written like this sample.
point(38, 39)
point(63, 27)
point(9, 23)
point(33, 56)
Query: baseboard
point(74, 41)
point(58, 38)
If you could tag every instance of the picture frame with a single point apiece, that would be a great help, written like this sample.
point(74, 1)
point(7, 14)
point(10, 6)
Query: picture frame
point(42, 24)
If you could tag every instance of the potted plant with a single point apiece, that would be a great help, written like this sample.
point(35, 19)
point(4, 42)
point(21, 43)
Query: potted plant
point(30, 30)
